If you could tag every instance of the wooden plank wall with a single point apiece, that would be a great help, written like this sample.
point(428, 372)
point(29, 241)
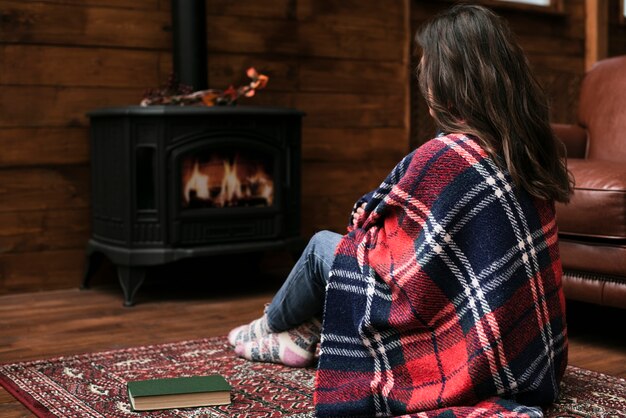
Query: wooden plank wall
point(342, 62)
point(554, 43)
point(58, 60)
point(617, 30)
point(345, 63)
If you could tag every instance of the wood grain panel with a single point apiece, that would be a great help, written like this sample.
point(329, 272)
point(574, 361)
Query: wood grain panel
point(326, 29)
point(225, 69)
point(43, 230)
point(352, 76)
point(535, 45)
point(50, 324)
point(35, 106)
point(334, 110)
point(274, 9)
point(70, 24)
point(331, 179)
point(124, 4)
point(342, 40)
point(65, 187)
point(270, 97)
point(617, 30)
point(42, 146)
point(372, 14)
point(228, 34)
point(342, 145)
point(557, 63)
point(569, 27)
point(12, 408)
point(328, 212)
point(71, 66)
point(562, 90)
point(39, 270)
point(310, 74)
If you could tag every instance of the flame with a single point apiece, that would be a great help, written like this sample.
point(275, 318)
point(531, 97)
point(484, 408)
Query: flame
point(231, 186)
point(198, 183)
point(261, 186)
point(229, 181)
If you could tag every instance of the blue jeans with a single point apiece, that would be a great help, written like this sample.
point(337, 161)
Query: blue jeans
point(302, 295)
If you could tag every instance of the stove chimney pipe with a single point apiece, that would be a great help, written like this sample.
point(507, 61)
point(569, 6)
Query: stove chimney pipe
point(189, 43)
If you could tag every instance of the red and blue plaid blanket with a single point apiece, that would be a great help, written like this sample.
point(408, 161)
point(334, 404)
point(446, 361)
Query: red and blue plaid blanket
point(446, 299)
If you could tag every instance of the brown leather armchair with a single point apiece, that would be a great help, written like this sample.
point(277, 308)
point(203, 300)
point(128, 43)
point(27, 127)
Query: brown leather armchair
point(592, 227)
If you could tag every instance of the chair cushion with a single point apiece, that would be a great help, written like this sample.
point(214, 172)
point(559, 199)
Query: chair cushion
point(598, 206)
point(594, 258)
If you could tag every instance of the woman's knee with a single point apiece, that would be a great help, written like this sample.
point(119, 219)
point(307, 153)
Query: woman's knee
point(325, 239)
point(323, 245)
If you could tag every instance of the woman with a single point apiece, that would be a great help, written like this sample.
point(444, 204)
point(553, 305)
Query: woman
point(445, 296)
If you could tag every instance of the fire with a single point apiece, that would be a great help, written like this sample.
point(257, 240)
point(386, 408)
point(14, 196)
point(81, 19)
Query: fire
point(230, 181)
point(197, 186)
point(231, 186)
point(261, 185)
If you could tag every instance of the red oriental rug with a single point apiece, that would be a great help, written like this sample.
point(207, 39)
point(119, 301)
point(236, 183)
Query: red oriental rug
point(94, 385)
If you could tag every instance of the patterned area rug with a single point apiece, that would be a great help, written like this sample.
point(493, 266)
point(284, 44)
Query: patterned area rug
point(93, 385)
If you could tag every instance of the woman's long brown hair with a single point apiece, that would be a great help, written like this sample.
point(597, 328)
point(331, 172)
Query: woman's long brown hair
point(477, 80)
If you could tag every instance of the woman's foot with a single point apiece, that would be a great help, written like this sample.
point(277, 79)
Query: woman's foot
point(255, 330)
point(294, 348)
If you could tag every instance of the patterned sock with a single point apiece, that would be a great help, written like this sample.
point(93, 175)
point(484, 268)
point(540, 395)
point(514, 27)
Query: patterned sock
point(253, 331)
point(294, 348)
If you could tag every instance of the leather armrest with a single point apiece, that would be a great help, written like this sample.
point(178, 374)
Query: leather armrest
point(574, 137)
point(598, 206)
point(600, 175)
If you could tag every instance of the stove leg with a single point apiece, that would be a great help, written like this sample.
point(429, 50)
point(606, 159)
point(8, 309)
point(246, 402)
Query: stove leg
point(131, 279)
point(92, 264)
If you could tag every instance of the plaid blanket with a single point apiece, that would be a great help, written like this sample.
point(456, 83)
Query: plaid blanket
point(446, 299)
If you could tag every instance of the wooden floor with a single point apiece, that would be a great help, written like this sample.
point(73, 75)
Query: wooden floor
point(48, 324)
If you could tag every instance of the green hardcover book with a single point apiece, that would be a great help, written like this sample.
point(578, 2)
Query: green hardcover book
point(178, 392)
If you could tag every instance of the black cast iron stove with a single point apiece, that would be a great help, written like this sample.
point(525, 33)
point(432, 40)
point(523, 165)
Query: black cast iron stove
point(176, 182)
point(172, 182)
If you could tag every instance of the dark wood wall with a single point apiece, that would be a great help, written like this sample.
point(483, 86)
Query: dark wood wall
point(617, 30)
point(346, 63)
point(58, 60)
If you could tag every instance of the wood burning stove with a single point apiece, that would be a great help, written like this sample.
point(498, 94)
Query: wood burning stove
point(174, 182)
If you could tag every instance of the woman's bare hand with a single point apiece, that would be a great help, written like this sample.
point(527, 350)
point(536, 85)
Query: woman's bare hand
point(357, 213)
